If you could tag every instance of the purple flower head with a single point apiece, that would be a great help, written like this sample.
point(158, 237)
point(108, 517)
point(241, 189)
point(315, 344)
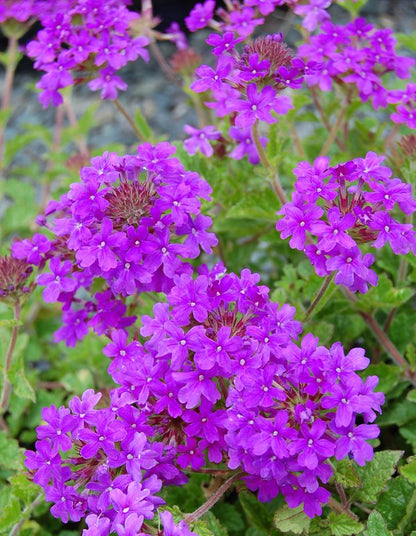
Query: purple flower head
point(356, 199)
point(77, 37)
point(199, 139)
point(132, 222)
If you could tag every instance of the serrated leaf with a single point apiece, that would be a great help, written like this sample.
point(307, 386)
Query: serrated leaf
point(376, 526)
point(383, 296)
point(255, 205)
point(11, 455)
point(214, 525)
point(292, 520)
point(409, 470)
point(16, 373)
point(375, 474)
point(23, 488)
point(397, 504)
point(10, 514)
point(345, 473)
point(343, 525)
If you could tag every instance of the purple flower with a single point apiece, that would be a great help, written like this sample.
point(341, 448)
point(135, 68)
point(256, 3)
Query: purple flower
point(199, 139)
point(258, 105)
point(56, 282)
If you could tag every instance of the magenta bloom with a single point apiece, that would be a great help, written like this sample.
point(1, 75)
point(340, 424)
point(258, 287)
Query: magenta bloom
point(199, 139)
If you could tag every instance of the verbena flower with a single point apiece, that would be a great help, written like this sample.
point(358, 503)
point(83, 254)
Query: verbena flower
point(130, 223)
point(84, 41)
point(343, 207)
point(220, 377)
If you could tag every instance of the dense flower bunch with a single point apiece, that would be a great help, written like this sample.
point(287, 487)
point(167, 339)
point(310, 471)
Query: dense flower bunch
point(247, 87)
point(345, 206)
point(358, 55)
point(219, 378)
point(20, 10)
point(127, 225)
point(85, 40)
point(101, 464)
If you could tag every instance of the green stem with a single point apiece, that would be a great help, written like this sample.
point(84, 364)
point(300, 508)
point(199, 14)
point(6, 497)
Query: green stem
point(321, 293)
point(323, 115)
point(130, 121)
point(335, 127)
point(7, 386)
point(277, 187)
point(190, 518)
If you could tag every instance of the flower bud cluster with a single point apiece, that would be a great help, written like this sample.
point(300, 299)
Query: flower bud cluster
point(84, 41)
point(219, 379)
point(344, 206)
point(122, 230)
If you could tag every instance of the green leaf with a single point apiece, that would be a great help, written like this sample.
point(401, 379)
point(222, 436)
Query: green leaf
point(411, 396)
point(230, 516)
point(11, 455)
point(406, 40)
point(409, 433)
point(292, 520)
point(389, 376)
point(397, 413)
point(255, 511)
point(343, 525)
point(23, 488)
point(409, 470)
point(16, 374)
point(143, 125)
point(10, 514)
point(79, 381)
point(384, 296)
point(345, 473)
point(375, 475)
point(397, 504)
point(376, 526)
point(214, 525)
point(255, 205)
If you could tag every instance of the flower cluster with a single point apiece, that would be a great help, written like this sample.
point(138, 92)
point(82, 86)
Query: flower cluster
point(219, 378)
point(101, 464)
point(342, 207)
point(14, 279)
point(85, 41)
point(358, 55)
point(247, 87)
point(20, 10)
point(126, 226)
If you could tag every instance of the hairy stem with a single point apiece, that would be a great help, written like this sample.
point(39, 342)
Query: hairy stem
point(277, 187)
point(190, 518)
point(321, 293)
point(7, 386)
point(385, 342)
point(130, 121)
